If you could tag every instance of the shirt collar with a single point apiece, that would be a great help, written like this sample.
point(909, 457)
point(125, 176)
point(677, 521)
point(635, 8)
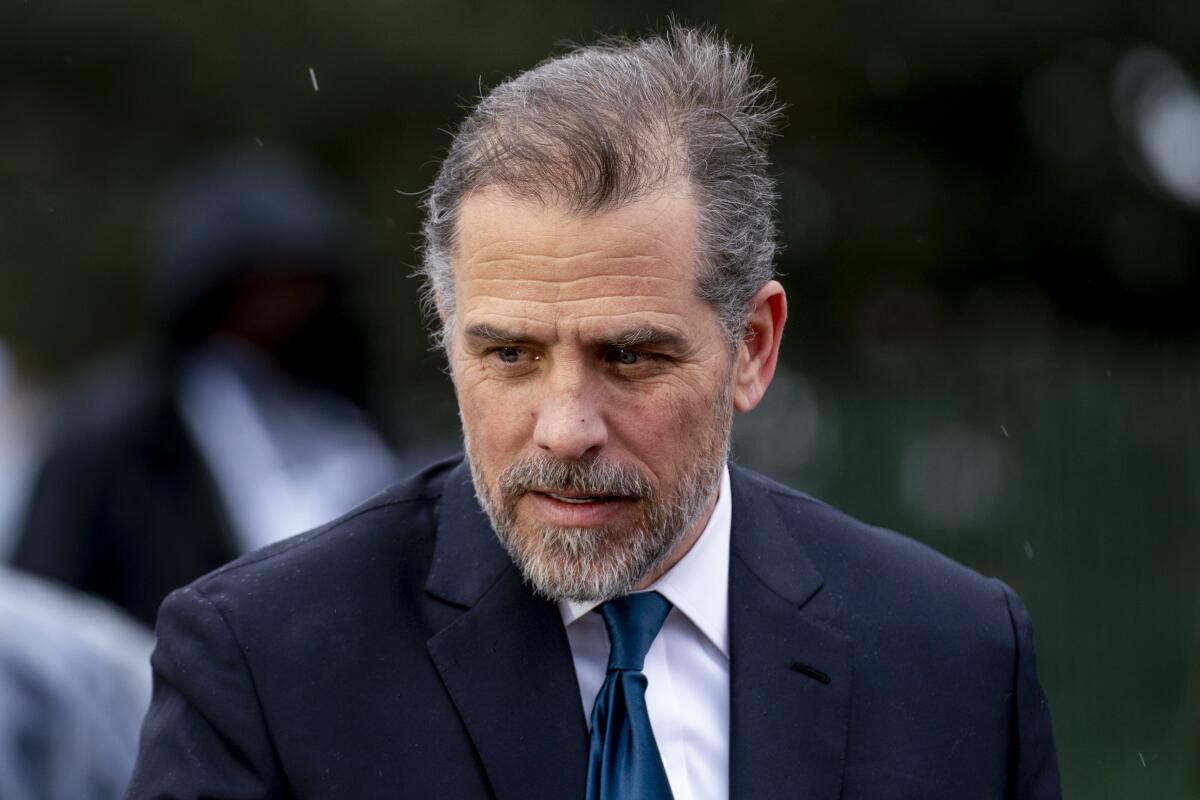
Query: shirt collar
point(698, 584)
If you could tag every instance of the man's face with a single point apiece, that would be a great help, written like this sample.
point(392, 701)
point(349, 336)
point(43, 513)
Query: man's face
point(594, 387)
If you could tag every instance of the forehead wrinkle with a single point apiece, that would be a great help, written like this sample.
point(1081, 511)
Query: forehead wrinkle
point(571, 235)
point(480, 214)
point(530, 288)
point(483, 255)
point(647, 246)
point(639, 265)
point(637, 214)
point(521, 254)
point(565, 308)
point(611, 324)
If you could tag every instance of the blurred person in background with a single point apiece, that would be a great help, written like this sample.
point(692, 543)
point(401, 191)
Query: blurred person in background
point(248, 428)
point(73, 687)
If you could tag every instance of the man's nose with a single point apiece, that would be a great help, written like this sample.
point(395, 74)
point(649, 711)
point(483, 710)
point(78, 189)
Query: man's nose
point(570, 424)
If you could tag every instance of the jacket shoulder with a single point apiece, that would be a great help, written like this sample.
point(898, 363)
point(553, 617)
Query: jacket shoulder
point(866, 567)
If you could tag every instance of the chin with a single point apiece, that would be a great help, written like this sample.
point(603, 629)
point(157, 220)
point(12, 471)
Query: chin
point(586, 564)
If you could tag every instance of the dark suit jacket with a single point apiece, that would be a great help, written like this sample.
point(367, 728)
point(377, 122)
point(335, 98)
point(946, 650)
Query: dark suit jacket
point(397, 653)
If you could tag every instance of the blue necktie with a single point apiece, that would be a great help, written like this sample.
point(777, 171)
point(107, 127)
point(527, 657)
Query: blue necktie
point(624, 763)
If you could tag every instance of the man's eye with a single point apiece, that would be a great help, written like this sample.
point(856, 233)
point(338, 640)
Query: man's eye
point(509, 355)
point(623, 356)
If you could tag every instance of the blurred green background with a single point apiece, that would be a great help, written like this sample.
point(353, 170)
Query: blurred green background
point(991, 213)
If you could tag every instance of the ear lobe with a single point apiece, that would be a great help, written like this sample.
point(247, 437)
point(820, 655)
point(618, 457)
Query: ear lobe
point(758, 351)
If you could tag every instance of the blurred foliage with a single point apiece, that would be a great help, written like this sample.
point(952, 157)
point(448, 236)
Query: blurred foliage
point(972, 241)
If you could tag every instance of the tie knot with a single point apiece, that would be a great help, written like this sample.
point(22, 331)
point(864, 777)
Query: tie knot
point(633, 621)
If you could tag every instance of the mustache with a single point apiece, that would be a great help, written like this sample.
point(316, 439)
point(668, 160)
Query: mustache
point(598, 477)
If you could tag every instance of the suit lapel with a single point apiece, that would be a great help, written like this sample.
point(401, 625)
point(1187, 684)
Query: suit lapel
point(505, 662)
point(790, 670)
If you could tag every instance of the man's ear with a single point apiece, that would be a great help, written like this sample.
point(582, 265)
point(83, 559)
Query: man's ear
point(758, 350)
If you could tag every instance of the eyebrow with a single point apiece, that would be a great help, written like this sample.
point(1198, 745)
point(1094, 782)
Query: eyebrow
point(642, 336)
point(490, 333)
point(646, 336)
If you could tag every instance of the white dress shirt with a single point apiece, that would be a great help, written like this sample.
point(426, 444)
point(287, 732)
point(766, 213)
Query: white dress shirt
point(687, 667)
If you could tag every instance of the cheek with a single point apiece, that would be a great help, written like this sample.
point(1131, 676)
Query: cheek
point(499, 423)
point(653, 427)
point(674, 428)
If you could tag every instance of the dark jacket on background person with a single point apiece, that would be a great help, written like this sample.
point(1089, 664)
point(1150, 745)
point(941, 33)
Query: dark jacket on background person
point(124, 507)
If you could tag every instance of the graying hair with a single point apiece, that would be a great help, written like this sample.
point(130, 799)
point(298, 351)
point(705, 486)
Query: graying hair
point(607, 124)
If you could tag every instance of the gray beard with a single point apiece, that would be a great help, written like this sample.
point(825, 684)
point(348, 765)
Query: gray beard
point(599, 563)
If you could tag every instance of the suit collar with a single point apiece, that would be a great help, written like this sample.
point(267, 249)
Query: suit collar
point(790, 670)
point(767, 543)
point(505, 661)
point(467, 558)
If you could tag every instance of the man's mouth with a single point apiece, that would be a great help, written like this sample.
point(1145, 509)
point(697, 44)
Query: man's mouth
point(579, 499)
point(576, 509)
point(584, 499)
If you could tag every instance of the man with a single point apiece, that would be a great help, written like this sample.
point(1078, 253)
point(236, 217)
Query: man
point(599, 246)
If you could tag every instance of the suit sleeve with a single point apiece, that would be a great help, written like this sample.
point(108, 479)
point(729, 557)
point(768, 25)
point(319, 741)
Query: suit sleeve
point(204, 735)
point(1032, 762)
